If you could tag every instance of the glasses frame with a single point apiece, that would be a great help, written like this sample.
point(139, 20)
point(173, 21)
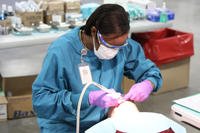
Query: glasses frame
point(102, 41)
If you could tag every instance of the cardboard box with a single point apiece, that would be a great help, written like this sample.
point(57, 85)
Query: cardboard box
point(48, 18)
point(16, 86)
point(175, 76)
point(20, 106)
point(54, 7)
point(5, 23)
point(73, 6)
point(30, 18)
point(73, 10)
point(3, 108)
point(18, 92)
point(126, 84)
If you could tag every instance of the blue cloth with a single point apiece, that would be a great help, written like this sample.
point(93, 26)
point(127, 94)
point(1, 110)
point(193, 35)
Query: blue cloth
point(57, 88)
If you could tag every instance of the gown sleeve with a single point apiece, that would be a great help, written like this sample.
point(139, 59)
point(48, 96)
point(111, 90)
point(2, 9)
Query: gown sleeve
point(52, 99)
point(138, 68)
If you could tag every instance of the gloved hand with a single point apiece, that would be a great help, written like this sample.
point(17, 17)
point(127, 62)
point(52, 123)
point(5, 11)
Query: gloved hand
point(103, 99)
point(139, 91)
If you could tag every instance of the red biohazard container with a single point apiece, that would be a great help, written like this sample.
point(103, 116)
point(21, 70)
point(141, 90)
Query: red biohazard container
point(165, 45)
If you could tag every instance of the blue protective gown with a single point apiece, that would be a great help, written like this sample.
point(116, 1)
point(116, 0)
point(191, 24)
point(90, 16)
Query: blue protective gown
point(57, 88)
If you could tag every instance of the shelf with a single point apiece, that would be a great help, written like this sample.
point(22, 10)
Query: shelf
point(145, 25)
point(13, 41)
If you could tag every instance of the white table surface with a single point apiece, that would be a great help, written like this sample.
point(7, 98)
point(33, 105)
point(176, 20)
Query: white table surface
point(12, 41)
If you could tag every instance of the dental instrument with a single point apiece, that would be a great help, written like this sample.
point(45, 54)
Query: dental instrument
point(81, 97)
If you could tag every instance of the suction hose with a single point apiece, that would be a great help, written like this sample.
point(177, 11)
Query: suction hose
point(80, 101)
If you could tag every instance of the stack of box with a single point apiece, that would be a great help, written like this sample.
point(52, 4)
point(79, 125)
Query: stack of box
point(30, 19)
point(54, 12)
point(175, 75)
point(18, 94)
point(72, 7)
point(29, 13)
point(5, 26)
point(5, 23)
point(3, 106)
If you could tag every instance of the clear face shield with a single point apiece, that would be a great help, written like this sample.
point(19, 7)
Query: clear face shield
point(106, 51)
point(102, 41)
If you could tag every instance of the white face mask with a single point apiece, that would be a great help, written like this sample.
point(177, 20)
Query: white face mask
point(104, 52)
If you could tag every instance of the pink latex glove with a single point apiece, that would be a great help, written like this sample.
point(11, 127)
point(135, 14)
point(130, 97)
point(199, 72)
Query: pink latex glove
point(103, 99)
point(139, 91)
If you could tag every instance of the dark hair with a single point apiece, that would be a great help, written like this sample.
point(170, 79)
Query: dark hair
point(108, 19)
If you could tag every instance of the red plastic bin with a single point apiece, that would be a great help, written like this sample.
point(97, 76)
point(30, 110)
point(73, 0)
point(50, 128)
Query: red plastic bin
point(165, 45)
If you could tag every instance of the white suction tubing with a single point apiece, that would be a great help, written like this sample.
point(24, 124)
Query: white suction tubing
point(80, 101)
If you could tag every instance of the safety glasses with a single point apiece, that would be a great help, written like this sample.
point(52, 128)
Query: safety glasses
point(102, 41)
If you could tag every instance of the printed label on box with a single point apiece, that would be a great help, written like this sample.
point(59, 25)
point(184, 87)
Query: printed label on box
point(3, 111)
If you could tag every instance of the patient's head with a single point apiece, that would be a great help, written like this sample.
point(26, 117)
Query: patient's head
point(126, 107)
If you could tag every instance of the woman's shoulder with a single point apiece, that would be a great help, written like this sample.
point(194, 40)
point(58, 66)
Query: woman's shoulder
point(132, 45)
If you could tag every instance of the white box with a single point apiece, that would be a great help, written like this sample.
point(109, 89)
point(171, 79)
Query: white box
point(3, 108)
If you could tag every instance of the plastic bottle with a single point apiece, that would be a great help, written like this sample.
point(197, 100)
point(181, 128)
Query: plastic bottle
point(10, 11)
point(163, 14)
point(4, 10)
point(2, 17)
point(2, 14)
